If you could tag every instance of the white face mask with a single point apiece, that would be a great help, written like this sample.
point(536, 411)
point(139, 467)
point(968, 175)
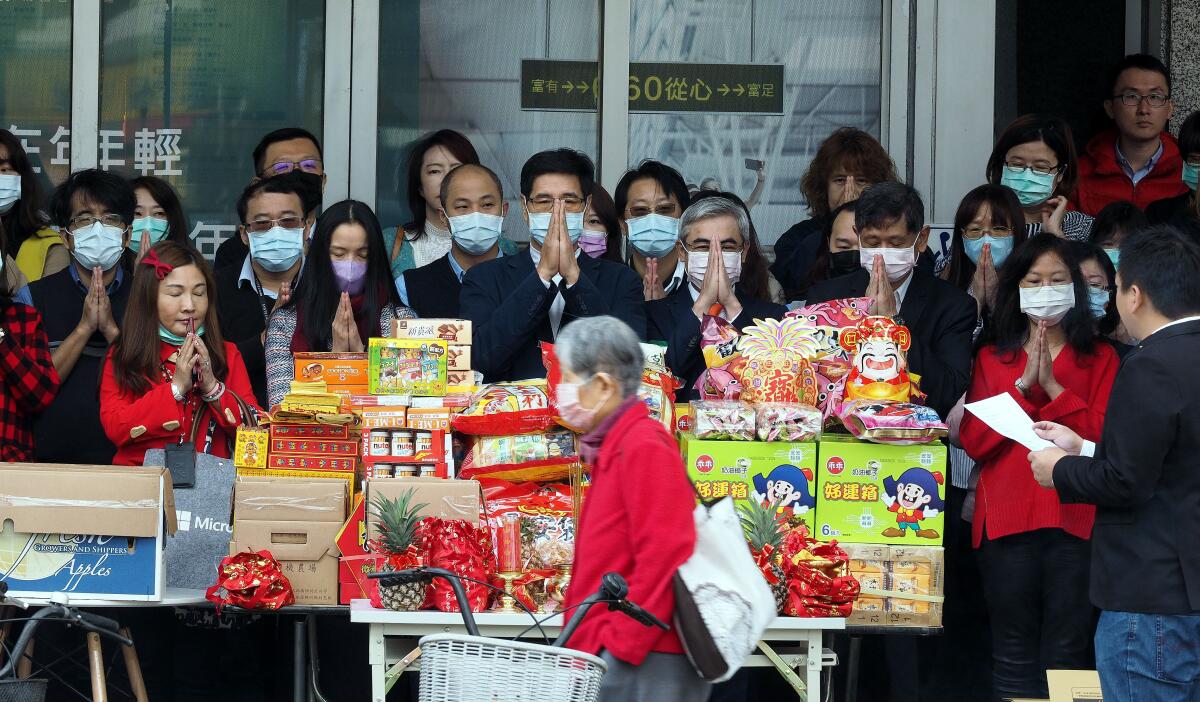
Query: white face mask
point(99, 245)
point(896, 262)
point(697, 267)
point(1048, 303)
point(10, 191)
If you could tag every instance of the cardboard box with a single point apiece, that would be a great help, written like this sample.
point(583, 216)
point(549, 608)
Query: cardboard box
point(452, 331)
point(429, 418)
point(333, 369)
point(910, 596)
point(322, 447)
point(250, 449)
point(384, 417)
point(857, 480)
point(312, 462)
point(298, 522)
point(406, 366)
point(283, 430)
point(1074, 686)
point(85, 531)
point(460, 381)
point(348, 391)
point(458, 358)
point(448, 499)
point(755, 470)
point(350, 478)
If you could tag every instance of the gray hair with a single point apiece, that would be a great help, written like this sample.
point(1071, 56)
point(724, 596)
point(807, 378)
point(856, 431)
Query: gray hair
point(604, 344)
point(710, 207)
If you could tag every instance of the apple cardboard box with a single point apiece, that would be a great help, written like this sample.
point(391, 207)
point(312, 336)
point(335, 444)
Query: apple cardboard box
point(90, 532)
point(298, 522)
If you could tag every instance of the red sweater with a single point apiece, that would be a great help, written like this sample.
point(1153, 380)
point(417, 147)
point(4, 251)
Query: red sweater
point(157, 418)
point(1102, 180)
point(636, 521)
point(1008, 500)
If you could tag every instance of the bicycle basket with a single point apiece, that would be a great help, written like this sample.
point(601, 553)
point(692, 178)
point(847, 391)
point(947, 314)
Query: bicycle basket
point(27, 690)
point(457, 668)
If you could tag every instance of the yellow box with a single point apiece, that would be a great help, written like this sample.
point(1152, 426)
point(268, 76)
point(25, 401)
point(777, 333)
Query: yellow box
point(458, 357)
point(429, 418)
point(869, 604)
point(384, 417)
point(915, 566)
point(250, 450)
point(873, 581)
point(333, 369)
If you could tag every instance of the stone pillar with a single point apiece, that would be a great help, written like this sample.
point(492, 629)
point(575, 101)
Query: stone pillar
point(1181, 53)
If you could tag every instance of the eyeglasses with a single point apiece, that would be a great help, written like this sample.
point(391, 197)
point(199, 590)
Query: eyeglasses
point(976, 232)
point(726, 247)
point(1132, 99)
point(669, 210)
point(545, 204)
point(308, 165)
point(85, 221)
point(259, 226)
point(1017, 167)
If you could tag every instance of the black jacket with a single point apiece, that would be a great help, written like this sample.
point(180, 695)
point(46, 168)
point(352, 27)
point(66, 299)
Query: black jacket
point(433, 289)
point(1145, 482)
point(671, 320)
point(510, 308)
point(941, 318)
point(796, 254)
point(240, 312)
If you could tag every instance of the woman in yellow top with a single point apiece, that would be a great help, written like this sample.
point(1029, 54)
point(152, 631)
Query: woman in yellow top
point(37, 249)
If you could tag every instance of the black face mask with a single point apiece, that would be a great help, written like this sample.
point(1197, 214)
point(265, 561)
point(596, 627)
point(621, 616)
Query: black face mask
point(843, 263)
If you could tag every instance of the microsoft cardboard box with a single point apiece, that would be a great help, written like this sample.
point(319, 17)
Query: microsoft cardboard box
point(880, 493)
point(298, 522)
point(90, 532)
point(780, 474)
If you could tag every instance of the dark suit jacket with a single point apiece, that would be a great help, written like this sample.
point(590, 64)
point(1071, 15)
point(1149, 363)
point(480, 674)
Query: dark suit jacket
point(671, 320)
point(510, 308)
point(941, 318)
point(240, 313)
point(1145, 480)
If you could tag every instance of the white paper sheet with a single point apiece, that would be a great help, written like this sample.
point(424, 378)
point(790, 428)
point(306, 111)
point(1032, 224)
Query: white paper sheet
point(1005, 417)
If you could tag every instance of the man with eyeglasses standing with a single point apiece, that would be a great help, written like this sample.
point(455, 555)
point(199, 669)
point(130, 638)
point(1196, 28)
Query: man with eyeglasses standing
point(516, 302)
point(1137, 161)
point(276, 218)
point(80, 307)
point(283, 151)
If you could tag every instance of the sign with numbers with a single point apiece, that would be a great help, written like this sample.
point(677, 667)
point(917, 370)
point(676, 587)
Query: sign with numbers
point(656, 87)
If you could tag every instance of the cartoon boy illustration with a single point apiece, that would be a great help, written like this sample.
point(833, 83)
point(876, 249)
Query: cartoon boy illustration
point(786, 488)
point(913, 497)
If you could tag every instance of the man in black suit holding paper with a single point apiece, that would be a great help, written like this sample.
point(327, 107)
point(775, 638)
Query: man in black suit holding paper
point(1144, 478)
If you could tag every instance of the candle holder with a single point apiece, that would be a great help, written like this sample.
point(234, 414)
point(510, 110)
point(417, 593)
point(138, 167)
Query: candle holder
point(508, 601)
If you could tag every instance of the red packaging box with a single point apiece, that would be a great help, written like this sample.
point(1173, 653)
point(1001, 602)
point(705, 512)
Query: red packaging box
point(311, 462)
point(315, 446)
point(309, 431)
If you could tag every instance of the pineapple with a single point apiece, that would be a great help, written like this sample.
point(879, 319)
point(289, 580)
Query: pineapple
point(397, 524)
point(762, 529)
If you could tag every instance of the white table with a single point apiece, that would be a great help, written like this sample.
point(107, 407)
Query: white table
point(392, 635)
point(172, 597)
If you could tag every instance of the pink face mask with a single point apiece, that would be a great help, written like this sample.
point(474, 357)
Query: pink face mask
point(574, 414)
point(593, 244)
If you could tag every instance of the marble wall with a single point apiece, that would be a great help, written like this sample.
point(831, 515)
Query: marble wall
point(1181, 51)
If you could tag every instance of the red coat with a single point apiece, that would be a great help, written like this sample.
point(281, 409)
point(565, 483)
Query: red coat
point(162, 419)
point(1102, 180)
point(636, 521)
point(1008, 500)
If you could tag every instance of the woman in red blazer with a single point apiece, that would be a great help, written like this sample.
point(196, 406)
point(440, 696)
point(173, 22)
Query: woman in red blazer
point(1042, 350)
point(637, 518)
point(160, 373)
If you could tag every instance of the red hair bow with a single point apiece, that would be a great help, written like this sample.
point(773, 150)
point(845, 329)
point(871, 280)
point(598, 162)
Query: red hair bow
point(160, 269)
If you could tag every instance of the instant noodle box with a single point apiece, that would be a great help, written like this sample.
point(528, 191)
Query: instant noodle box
point(89, 532)
point(776, 474)
point(880, 493)
point(407, 367)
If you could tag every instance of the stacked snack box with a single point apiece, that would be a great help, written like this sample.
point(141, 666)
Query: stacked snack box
point(901, 585)
point(299, 450)
point(343, 373)
point(456, 335)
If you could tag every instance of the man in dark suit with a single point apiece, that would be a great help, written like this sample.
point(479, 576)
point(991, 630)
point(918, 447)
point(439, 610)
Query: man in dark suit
point(1144, 479)
point(890, 222)
point(474, 209)
point(714, 241)
point(516, 302)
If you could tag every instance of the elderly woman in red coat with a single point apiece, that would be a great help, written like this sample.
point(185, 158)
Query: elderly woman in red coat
point(637, 518)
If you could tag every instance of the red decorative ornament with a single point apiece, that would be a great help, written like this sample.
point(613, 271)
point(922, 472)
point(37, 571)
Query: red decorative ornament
point(251, 580)
point(161, 269)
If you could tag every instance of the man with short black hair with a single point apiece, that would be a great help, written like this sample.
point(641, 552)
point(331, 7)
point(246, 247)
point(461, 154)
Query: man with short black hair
point(1143, 479)
point(518, 301)
point(890, 222)
point(473, 208)
point(287, 150)
point(1137, 160)
point(81, 307)
point(275, 216)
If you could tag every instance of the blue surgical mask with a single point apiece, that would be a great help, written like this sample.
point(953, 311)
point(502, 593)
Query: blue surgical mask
point(1001, 247)
point(539, 224)
point(174, 339)
point(653, 235)
point(277, 249)
point(1031, 188)
point(1114, 255)
point(1097, 299)
point(10, 191)
point(98, 245)
point(1191, 174)
point(476, 232)
point(155, 226)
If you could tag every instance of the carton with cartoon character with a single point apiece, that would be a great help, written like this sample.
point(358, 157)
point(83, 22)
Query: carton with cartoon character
point(880, 494)
point(780, 475)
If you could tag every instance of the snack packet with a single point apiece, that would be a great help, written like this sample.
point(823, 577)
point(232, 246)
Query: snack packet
point(547, 529)
point(723, 419)
point(777, 366)
point(829, 319)
point(900, 423)
point(783, 421)
point(507, 408)
point(524, 448)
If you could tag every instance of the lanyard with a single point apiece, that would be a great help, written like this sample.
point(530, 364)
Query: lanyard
point(262, 302)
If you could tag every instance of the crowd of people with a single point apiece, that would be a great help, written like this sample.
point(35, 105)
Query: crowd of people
point(101, 288)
